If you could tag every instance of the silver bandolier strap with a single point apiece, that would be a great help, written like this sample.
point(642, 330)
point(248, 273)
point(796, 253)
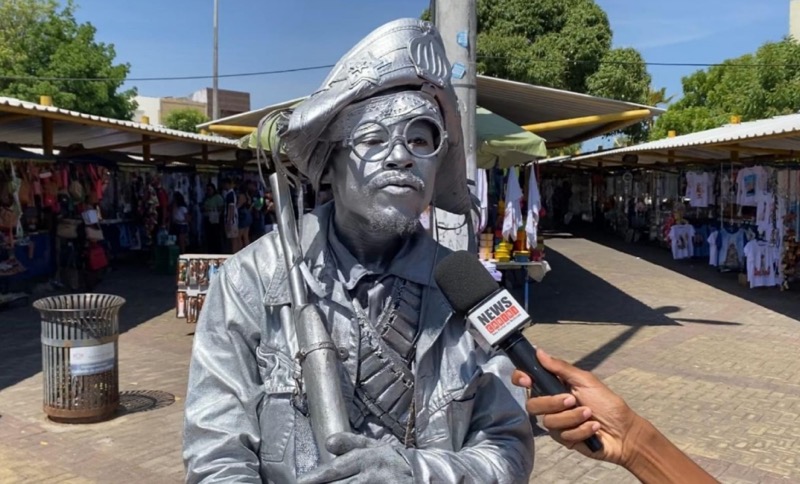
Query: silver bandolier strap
point(385, 384)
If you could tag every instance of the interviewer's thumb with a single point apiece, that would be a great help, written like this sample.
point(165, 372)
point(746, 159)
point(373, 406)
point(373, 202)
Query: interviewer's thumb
point(571, 375)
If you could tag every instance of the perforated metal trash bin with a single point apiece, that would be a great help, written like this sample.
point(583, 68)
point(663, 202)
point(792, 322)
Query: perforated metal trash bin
point(79, 356)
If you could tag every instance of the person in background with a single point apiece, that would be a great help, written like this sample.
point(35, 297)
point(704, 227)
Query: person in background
point(213, 208)
point(244, 206)
point(180, 220)
point(270, 216)
point(593, 409)
point(163, 203)
point(258, 228)
point(231, 217)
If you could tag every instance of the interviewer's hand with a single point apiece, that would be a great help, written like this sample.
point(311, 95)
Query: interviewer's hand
point(590, 409)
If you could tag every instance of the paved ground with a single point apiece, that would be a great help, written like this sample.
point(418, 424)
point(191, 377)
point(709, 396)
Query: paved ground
point(714, 365)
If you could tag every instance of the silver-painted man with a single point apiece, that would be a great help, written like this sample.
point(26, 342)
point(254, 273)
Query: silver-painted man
point(425, 403)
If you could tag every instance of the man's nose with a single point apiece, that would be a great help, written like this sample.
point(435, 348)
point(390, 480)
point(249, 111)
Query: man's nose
point(399, 158)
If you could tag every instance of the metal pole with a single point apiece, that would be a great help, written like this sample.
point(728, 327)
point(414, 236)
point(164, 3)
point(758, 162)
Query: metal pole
point(457, 21)
point(215, 89)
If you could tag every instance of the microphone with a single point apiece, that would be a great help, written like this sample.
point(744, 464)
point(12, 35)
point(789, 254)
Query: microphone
point(498, 319)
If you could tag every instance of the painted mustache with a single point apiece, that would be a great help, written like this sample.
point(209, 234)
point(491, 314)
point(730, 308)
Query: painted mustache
point(395, 178)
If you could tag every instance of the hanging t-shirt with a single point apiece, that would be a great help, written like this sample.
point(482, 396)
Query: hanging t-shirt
point(700, 241)
point(731, 249)
point(764, 210)
point(699, 189)
point(712, 249)
point(682, 236)
point(749, 183)
point(762, 263)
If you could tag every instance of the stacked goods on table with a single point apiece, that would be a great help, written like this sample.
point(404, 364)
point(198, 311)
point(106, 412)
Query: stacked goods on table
point(485, 244)
point(503, 250)
point(195, 272)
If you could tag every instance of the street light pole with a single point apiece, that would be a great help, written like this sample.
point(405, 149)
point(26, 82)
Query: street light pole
point(457, 21)
point(215, 89)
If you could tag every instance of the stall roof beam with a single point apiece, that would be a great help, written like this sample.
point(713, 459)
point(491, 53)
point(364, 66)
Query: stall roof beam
point(146, 140)
point(227, 129)
point(632, 115)
point(47, 136)
point(11, 118)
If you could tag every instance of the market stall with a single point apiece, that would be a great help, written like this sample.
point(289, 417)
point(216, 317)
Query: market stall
point(729, 196)
point(75, 190)
point(26, 219)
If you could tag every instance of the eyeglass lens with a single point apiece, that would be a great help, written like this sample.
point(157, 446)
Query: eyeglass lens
point(373, 141)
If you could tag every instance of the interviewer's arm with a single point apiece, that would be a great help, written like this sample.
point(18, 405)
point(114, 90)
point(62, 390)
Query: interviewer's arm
point(628, 439)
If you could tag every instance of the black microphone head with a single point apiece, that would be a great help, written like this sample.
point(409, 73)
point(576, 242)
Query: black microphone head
point(464, 281)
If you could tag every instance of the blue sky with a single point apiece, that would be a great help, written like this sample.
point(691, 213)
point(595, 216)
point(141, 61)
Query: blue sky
point(174, 37)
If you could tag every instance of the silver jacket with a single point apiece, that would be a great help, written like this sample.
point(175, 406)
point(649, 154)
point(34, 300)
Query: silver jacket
point(242, 422)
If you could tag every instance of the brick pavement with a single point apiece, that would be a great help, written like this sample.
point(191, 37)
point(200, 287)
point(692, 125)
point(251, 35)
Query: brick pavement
point(139, 446)
point(714, 366)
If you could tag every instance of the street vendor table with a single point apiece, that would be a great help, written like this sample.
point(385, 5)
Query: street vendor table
point(533, 270)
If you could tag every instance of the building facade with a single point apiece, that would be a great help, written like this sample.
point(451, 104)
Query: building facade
point(154, 110)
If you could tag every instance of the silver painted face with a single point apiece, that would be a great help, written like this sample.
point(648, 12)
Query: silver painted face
point(382, 182)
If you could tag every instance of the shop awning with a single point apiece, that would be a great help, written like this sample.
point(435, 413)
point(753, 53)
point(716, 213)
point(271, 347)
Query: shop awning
point(775, 139)
point(501, 143)
point(34, 125)
point(560, 117)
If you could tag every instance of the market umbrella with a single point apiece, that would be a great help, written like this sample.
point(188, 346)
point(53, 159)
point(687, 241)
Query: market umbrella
point(501, 143)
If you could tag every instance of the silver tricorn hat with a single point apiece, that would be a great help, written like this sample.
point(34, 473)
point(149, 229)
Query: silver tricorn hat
point(405, 53)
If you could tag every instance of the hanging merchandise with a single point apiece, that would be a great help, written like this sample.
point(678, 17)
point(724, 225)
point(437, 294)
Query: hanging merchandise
point(195, 272)
point(750, 182)
point(699, 189)
point(765, 209)
point(534, 205)
point(96, 257)
point(682, 236)
point(512, 218)
point(731, 249)
point(762, 263)
point(700, 241)
point(713, 250)
point(482, 191)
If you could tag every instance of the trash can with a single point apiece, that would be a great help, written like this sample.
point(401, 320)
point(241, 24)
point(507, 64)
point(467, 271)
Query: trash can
point(79, 356)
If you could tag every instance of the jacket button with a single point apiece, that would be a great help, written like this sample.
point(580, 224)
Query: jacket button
point(344, 354)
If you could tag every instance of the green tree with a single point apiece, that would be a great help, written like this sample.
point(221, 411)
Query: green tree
point(564, 44)
point(753, 86)
point(184, 119)
point(41, 44)
point(658, 97)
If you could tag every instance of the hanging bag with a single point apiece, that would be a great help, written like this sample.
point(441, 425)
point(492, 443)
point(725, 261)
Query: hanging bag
point(68, 228)
point(96, 257)
point(94, 234)
point(8, 219)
